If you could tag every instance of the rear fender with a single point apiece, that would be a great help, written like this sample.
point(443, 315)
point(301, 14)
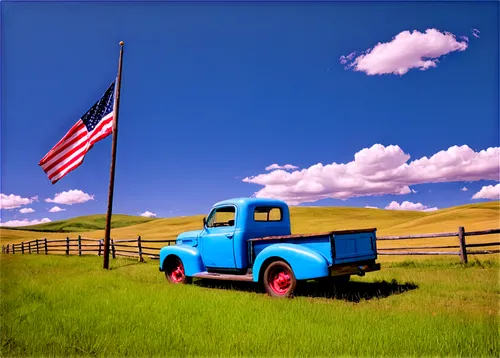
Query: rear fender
point(306, 264)
point(191, 258)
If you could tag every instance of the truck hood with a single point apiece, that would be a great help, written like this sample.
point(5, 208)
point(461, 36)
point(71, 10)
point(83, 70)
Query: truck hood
point(188, 238)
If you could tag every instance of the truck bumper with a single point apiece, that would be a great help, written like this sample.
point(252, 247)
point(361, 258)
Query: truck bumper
point(359, 270)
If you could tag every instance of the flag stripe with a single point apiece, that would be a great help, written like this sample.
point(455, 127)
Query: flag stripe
point(73, 153)
point(73, 145)
point(63, 150)
point(74, 157)
point(77, 127)
point(61, 174)
point(69, 157)
point(69, 153)
point(106, 130)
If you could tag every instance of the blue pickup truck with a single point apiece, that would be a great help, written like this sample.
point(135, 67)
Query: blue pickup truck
point(249, 239)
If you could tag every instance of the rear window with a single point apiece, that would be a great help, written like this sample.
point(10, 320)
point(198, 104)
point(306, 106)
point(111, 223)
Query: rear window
point(267, 213)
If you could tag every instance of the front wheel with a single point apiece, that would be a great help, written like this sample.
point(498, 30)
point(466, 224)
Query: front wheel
point(174, 271)
point(279, 280)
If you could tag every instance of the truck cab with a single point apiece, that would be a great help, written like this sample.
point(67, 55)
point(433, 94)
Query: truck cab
point(242, 238)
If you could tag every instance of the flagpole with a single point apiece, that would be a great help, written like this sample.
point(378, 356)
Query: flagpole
point(113, 160)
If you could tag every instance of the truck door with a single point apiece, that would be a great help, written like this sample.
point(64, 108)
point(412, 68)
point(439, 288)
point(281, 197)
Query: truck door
point(218, 236)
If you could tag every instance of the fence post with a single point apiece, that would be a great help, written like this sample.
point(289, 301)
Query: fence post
point(463, 246)
point(100, 246)
point(46, 247)
point(67, 245)
point(139, 247)
point(37, 250)
point(113, 248)
point(79, 245)
point(13, 249)
point(29, 247)
point(22, 247)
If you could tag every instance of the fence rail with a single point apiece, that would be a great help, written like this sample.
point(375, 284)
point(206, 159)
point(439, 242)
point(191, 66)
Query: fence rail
point(124, 247)
point(461, 234)
point(135, 248)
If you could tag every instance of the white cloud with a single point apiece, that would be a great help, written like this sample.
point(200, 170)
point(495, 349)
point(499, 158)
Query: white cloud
point(12, 201)
point(56, 209)
point(464, 189)
point(285, 167)
point(148, 214)
point(25, 222)
point(375, 171)
point(70, 197)
point(488, 192)
point(26, 210)
point(414, 191)
point(475, 33)
point(371, 207)
point(407, 50)
point(408, 205)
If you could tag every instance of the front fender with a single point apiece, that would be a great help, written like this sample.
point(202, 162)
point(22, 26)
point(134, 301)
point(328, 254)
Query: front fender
point(191, 258)
point(306, 264)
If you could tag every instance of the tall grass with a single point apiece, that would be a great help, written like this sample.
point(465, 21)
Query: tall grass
point(70, 306)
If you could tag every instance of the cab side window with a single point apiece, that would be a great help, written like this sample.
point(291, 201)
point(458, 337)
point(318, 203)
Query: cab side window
point(268, 213)
point(223, 216)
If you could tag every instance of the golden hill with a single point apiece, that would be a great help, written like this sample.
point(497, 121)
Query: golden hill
point(479, 216)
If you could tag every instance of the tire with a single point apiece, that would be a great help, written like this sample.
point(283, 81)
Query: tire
point(174, 271)
point(279, 280)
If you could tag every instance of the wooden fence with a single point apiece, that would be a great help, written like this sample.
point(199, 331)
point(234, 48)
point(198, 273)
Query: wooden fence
point(136, 247)
point(461, 234)
point(79, 246)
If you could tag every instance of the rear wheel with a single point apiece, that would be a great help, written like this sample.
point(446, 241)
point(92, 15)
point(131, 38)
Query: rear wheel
point(279, 280)
point(174, 271)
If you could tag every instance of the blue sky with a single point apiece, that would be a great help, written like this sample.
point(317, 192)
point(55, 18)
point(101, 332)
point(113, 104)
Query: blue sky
point(213, 93)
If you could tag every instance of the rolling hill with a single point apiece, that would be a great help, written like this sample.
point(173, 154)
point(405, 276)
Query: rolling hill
point(304, 220)
point(86, 223)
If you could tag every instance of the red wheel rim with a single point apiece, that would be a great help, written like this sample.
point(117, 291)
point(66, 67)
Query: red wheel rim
point(177, 272)
point(280, 280)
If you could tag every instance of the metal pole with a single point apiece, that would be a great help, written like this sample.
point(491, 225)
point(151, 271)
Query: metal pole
point(113, 160)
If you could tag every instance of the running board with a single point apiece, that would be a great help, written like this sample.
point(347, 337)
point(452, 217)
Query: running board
point(228, 277)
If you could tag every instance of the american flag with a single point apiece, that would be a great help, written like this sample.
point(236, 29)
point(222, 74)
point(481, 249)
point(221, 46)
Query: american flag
point(70, 151)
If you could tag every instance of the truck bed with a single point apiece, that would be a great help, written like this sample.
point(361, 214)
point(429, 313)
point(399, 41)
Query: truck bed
point(338, 246)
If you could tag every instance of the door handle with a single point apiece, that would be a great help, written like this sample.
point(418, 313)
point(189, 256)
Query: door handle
point(229, 236)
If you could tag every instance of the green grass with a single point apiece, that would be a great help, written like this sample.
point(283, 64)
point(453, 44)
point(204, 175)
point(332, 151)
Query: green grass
point(70, 306)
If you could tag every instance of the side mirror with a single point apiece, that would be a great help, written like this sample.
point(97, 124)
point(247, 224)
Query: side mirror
point(204, 222)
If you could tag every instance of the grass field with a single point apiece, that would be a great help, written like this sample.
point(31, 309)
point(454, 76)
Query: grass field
point(70, 306)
